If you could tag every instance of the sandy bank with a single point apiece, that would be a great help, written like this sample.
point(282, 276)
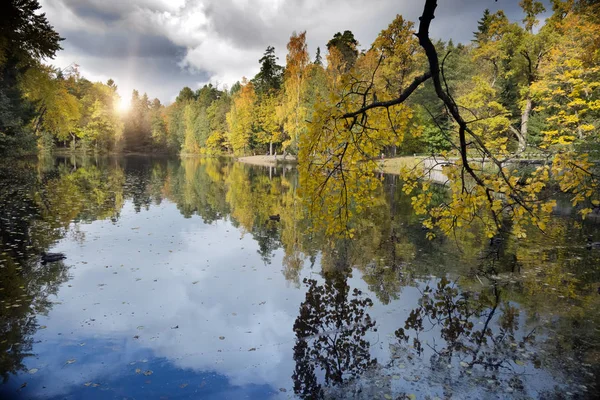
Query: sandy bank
point(268, 160)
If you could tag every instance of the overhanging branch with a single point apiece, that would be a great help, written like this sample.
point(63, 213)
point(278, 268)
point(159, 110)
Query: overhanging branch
point(403, 96)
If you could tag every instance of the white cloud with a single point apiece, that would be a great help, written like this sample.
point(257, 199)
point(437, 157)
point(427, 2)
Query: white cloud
point(223, 39)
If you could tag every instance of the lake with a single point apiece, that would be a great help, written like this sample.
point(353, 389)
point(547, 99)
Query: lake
point(180, 282)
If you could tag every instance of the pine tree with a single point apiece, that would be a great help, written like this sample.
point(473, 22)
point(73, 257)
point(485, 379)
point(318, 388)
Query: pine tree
point(318, 58)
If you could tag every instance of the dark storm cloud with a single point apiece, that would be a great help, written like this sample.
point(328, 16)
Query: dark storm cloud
point(160, 77)
point(90, 11)
point(117, 44)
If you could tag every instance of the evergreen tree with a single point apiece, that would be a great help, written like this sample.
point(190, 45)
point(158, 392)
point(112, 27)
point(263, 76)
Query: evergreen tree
point(318, 58)
point(347, 45)
point(25, 38)
point(483, 27)
point(185, 94)
point(271, 75)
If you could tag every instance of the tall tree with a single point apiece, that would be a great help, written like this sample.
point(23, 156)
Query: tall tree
point(26, 34)
point(347, 45)
point(158, 125)
point(137, 123)
point(57, 110)
point(241, 118)
point(294, 110)
point(26, 37)
point(268, 129)
point(270, 75)
point(318, 58)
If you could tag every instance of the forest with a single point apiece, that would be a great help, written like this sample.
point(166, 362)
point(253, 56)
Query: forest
point(531, 84)
point(520, 90)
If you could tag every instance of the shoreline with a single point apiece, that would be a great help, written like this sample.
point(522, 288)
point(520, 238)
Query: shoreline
point(268, 161)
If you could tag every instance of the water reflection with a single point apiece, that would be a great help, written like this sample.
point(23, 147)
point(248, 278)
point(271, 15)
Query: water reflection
point(330, 336)
point(174, 267)
point(492, 351)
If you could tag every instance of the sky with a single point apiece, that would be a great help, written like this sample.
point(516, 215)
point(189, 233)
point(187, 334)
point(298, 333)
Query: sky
point(160, 46)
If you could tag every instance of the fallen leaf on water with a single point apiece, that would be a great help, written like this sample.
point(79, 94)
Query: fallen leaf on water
point(387, 396)
point(33, 370)
point(183, 385)
point(42, 327)
point(148, 373)
point(519, 362)
point(252, 349)
point(87, 384)
point(71, 361)
point(138, 371)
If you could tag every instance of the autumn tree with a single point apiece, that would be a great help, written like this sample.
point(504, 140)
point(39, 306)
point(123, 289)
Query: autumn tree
point(57, 110)
point(268, 129)
point(217, 116)
point(100, 127)
point(483, 178)
point(241, 118)
point(294, 110)
point(158, 124)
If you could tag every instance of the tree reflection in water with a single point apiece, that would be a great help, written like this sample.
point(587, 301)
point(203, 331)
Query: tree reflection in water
point(477, 329)
point(39, 205)
point(330, 336)
point(480, 325)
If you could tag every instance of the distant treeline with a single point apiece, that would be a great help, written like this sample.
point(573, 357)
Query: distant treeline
point(512, 78)
point(46, 108)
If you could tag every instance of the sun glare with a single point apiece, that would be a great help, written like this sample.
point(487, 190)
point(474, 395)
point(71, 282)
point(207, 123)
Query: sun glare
point(123, 105)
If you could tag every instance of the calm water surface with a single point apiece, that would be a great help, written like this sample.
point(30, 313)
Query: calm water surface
point(177, 285)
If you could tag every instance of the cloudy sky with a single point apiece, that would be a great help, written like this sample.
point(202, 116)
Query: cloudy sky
point(159, 46)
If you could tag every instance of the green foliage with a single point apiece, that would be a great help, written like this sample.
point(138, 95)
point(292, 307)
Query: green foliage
point(100, 127)
point(270, 76)
point(186, 94)
point(25, 38)
point(25, 33)
point(347, 46)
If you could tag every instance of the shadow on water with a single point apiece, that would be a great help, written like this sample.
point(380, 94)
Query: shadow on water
point(386, 314)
